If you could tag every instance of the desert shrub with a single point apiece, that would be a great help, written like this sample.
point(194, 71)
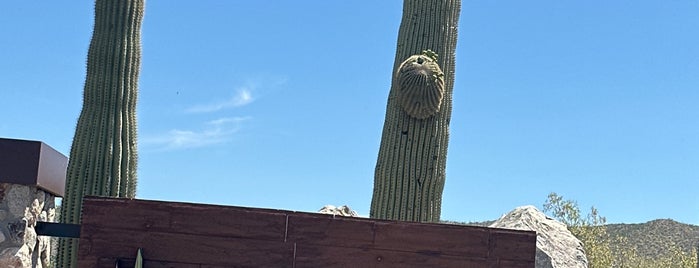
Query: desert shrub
point(604, 250)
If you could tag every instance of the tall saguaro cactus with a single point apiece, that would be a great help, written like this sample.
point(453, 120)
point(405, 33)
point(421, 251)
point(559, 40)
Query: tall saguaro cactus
point(410, 170)
point(103, 153)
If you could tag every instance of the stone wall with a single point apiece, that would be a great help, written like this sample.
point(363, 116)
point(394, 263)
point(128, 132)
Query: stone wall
point(21, 206)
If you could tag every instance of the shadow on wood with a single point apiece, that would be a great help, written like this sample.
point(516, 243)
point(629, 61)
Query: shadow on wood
point(196, 235)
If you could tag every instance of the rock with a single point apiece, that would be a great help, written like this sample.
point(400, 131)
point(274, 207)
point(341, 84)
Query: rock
point(42, 256)
point(17, 230)
point(17, 197)
point(15, 257)
point(340, 211)
point(21, 206)
point(556, 247)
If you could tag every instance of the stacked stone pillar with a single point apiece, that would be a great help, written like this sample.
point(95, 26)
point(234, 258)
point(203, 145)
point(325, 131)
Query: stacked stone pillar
point(32, 175)
point(21, 206)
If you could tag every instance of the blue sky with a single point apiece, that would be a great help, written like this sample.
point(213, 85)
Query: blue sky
point(280, 104)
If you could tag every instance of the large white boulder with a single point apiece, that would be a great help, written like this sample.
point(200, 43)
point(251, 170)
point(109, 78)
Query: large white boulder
point(340, 211)
point(556, 247)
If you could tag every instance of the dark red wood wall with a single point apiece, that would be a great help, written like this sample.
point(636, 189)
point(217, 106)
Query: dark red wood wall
point(179, 235)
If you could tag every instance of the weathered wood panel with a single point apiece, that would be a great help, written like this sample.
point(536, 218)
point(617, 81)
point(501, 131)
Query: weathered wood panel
point(182, 235)
point(185, 248)
point(329, 230)
point(511, 245)
point(455, 240)
point(185, 218)
point(329, 256)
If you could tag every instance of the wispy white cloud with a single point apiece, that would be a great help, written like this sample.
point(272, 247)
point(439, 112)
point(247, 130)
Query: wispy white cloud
point(219, 130)
point(213, 132)
point(252, 88)
point(242, 97)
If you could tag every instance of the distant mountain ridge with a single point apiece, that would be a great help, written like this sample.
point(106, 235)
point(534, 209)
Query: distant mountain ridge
point(656, 237)
point(651, 239)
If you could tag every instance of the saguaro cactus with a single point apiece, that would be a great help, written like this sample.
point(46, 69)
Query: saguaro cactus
point(103, 154)
point(410, 170)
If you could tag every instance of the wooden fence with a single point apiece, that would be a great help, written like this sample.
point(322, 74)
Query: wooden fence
point(178, 235)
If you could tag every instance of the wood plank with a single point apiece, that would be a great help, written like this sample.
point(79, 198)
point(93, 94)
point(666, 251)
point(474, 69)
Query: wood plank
point(183, 235)
point(513, 264)
point(100, 243)
point(157, 216)
point(466, 241)
point(321, 229)
point(512, 244)
point(328, 256)
point(128, 263)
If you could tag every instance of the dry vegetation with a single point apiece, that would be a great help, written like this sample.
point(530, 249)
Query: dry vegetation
point(659, 243)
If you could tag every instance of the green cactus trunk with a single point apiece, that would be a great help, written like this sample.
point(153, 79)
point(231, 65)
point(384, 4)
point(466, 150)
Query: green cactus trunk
point(103, 154)
point(410, 170)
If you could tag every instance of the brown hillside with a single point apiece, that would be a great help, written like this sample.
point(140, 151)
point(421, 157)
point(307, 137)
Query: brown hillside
point(656, 237)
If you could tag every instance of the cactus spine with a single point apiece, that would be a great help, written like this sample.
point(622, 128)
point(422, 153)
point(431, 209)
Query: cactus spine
point(410, 170)
point(103, 154)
